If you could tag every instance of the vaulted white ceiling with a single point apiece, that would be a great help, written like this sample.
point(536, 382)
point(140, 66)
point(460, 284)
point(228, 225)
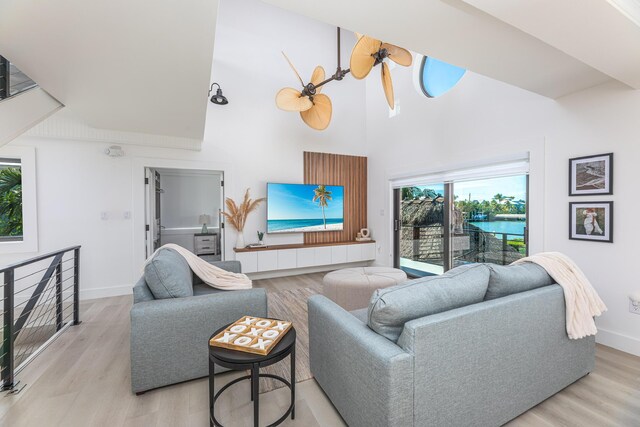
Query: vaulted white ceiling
point(128, 65)
point(551, 47)
point(144, 66)
point(592, 31)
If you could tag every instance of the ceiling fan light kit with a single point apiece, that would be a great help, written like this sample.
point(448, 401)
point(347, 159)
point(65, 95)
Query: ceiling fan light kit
point(314, 107)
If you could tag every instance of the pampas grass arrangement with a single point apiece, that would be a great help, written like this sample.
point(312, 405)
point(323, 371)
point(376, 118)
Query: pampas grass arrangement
point(237, 215)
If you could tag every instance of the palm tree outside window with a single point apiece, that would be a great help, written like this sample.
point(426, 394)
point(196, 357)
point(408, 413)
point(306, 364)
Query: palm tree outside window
point(11, 224)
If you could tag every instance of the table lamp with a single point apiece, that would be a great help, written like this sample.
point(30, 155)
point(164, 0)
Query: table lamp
point(204, 220)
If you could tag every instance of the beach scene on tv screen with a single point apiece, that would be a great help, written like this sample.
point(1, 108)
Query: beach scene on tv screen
point(295, 208)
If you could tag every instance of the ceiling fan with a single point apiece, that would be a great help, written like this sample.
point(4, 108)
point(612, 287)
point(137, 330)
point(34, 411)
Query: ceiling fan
point(369, 52)
point(314, 107)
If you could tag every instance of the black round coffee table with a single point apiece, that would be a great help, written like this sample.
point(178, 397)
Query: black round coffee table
point(240, 361)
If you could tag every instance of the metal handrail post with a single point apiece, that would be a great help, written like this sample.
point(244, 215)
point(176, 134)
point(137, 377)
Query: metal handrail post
point(7, 343)
point(59, 296)
point(76, 286)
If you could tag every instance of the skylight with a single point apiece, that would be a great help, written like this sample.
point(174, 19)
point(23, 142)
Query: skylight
point(437, 77)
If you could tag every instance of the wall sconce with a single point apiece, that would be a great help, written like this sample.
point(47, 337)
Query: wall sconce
point(218, 98)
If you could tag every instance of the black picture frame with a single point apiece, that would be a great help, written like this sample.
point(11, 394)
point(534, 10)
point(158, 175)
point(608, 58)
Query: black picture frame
point(607, 159)
point(578, 231)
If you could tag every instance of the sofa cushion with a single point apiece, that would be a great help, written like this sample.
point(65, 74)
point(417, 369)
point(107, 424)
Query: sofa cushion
point(168, 275)
point(141, 292)
point(510, 279)
point(204, 289)
point(360, 314)
point(392, 307)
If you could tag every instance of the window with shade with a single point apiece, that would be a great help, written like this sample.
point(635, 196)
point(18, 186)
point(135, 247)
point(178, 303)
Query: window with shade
point(445, 220)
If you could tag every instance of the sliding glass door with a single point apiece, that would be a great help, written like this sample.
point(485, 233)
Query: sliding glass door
point(490, 220)
point(419, 227)
point(444, 225)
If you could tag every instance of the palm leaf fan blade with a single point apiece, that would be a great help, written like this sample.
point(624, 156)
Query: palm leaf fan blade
point(362, 59)
point(319, 116)
point(398, 54)
point(293, 68)
point(317, 77)
point(289, 99)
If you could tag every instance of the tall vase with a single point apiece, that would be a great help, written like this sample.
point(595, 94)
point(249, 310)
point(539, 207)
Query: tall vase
point(240, 239)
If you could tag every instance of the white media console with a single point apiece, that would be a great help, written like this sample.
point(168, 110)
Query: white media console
point(286, 257)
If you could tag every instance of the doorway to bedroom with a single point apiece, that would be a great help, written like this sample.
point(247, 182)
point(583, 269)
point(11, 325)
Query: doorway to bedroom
point(184, 207)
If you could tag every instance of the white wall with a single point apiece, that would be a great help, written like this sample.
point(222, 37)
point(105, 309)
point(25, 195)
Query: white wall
point(187, 196)
point(481, 119)
point(249, 139)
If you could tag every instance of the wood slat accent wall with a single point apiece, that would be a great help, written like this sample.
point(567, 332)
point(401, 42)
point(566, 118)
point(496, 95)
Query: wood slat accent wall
point(338, 169)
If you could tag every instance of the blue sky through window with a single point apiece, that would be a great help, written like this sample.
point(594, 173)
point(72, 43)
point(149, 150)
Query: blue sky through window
point(485, 189)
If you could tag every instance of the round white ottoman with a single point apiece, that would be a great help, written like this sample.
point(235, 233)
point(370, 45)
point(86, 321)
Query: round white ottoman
point(351, 288)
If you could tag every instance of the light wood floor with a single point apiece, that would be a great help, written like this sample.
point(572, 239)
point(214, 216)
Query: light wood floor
point(82, 379)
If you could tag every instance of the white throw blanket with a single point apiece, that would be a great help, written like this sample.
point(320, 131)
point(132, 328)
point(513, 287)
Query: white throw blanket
point(582, 302)
point(209, 273)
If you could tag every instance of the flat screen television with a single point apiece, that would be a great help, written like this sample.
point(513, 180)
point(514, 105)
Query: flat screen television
point(297, 208)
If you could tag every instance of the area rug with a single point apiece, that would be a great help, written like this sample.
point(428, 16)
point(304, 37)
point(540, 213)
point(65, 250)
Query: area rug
point(290, 305)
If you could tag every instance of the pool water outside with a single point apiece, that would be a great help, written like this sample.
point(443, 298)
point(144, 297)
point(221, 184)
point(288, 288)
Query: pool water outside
point(510, 227)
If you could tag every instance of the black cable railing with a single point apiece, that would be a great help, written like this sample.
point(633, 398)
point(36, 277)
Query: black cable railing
point(425, 243)
point(40, 299)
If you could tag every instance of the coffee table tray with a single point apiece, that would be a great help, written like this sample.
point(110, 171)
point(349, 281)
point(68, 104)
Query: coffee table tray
point(250, 334)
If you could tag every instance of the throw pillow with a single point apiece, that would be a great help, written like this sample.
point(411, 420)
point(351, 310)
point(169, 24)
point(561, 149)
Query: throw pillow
point(168, 275)
point(510, 279)
point(391, 308)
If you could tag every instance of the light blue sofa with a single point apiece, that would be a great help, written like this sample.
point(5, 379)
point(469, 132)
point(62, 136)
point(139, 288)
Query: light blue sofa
point(170, 329)
point(475, 347)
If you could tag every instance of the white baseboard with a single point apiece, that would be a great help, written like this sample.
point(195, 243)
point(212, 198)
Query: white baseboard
point(306, 270)
point(618, 341)
point(111, 291)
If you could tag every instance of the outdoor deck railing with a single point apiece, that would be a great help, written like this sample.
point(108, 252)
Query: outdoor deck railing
point(433, 237)
point(40, 300)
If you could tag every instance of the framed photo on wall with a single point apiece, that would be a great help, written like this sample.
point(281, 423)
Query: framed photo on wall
point(591, 221)
point(591, 175)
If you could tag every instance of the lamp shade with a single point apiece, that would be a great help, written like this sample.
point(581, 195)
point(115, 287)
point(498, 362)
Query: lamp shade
point(204, 219)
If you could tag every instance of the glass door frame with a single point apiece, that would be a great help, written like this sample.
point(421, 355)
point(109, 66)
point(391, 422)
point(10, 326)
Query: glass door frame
point(449, 203)
point(446, 225)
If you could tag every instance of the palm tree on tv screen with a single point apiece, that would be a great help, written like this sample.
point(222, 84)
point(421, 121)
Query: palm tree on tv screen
point(322, 196)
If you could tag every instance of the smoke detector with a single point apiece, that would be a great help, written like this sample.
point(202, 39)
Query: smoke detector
point(114, 151)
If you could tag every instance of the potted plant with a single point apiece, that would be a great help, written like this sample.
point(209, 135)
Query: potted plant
point(236, 215)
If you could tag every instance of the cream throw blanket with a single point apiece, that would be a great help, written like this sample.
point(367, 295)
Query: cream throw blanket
point(209, 273)
point(582, 302)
